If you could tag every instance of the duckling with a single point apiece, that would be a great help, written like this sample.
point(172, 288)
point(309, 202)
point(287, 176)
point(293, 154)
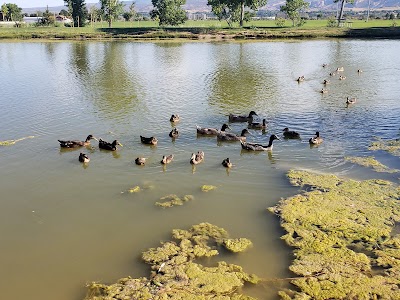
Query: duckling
point(195, 159)
point(241, 118)
point(83, 158)
point(148, 140)
point(254, 125)
point(332, 74)
point(323, 91)
point(167, 159)
point(340, 69)
point(174, 118)
point(140, 161)
point(109, 146)
point(325, 82)
point(227, 163)
point(76, 143)
point(342, 77)
point(316, 140)
point(301, 78)
point(211, 131)
point(359, 71)
point(324, 65)
point(288, 134)
point(259, 147)
point(174, 133)
point(227, 136)
point(350, 100)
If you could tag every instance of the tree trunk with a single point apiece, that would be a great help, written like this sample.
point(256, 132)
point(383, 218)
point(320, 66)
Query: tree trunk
point(341, 12)
point(241, 13)
point(109, 23)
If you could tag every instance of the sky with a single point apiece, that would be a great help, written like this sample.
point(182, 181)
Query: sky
point(39, 3)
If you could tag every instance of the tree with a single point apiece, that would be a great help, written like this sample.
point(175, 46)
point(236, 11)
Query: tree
point(340, 17)
point(47, 18)
point(111, 9)
point(78, 11)
point(4, 11)
point(64, 12)
point(12, 12)
point(131, 14)
point(292, 9)
point(168, 12)
point(234, 10)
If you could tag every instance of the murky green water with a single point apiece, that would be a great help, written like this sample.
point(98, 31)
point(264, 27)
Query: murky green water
point(63, 224)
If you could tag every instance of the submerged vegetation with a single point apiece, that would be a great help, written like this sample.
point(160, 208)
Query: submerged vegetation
point(12, 142)
point(371, 162)
point(174, 200)
point(207, 188)
point(344, 238)
point(391, 146)
point(176, 275)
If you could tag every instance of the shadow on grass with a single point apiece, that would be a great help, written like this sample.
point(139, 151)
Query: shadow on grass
point(147, 30)
point(374, 32)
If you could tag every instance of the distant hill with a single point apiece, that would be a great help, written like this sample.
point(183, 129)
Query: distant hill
point(201, 5)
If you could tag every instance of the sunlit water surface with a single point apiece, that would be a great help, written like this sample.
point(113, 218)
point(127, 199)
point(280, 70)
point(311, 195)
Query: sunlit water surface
point(63, 224)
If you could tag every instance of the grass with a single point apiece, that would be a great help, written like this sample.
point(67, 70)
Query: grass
point(210, 29)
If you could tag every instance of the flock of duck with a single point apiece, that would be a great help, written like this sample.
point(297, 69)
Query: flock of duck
point(197, 158)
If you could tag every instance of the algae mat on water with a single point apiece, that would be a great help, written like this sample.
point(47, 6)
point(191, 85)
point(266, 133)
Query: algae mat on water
point(175, 275)
point(344, 238)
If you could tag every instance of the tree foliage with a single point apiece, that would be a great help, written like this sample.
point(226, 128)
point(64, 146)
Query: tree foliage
point(111, 9)
point(47, 18)
point(343, 2)
point(168, 12)
point(131, 14)
point(233, 11)
point(293, 8)
point(11, 12)
point(78, 11)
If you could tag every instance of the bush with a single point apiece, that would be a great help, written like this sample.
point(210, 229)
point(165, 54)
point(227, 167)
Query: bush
point(331, 22)
point(280, 22)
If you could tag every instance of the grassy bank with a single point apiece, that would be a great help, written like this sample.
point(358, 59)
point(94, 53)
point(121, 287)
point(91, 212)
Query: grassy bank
point(207, 30)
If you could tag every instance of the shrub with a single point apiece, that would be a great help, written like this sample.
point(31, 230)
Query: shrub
point(280, 22)
point(331, 22)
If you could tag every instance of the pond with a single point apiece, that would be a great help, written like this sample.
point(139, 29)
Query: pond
point(64, 224)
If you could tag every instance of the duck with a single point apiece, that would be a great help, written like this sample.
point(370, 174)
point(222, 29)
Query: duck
point(324, 65)
point(255, 125)
point(211, 131)
point(174, 118)
point(350, 100)
point(288, 134)
point(76, 143)
point(227, 136)
point(323, 91)
point(241, 118)
point(326, 81)
point(227, 163)
point(340, 69)
point(195, 159)
point(148, 140)
point(359, 71)
point(301, 78)
point(167, 159)
point(316, 140)
point(342, 77)
point(109, 146)
point(332, 74)
point(259, 147)
point(174, 133)
point(140, 161)
point(83, 158)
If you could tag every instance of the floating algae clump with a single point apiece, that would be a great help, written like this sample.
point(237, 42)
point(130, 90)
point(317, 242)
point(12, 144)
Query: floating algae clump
point(175, 274)
point(370, 161)
point(206, 188)
point(237, 245)
point(342, 232)
point(391, 146)
point(135, 189)
point(12, 142)
point(173, 200)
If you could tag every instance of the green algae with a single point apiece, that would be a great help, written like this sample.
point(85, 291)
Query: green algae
point(342, 232)
point(12, 142)
point(391, 146)
point(207, 188)
point(173, 200)
point(237, 245)
point(135, 189)
point(175, 274)
point(371, 162)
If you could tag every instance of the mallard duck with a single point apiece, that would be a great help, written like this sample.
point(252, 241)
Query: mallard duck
point(241, 118)
point(316, 140)
point(289, 134)
point(109, 146)
point(227, 163)
point(259, 147)
point(359, 71)
point(332, 74)
point(83, 158)
point(324, 65)
point(195, 159)
point(323, 91)
point(227, 136)
point(211, 131)
point(326, 81)
point(174, 133)
point(342, 77)
point(301, 78)
point(167, 159)
point(254, 125)
point(340, 69)
point(174, 118)
point(350, 100)
point(140, 161)
point(148, 140)
point(76, 143)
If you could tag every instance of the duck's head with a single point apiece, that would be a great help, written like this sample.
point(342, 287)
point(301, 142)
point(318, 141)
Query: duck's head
point(286, 129)
point(317, 134)
point(90, 137)
point(244, 132)
point(252, 113)
point(116, 143)
point(224, 127)
point(273, 137)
